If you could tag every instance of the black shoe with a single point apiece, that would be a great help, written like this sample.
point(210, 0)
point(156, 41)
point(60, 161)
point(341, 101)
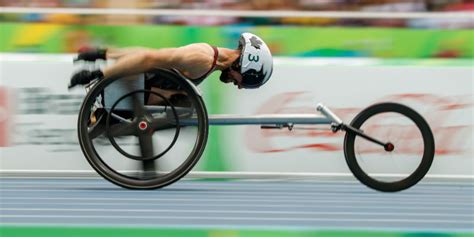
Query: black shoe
point(84, 77)
point(91, 55)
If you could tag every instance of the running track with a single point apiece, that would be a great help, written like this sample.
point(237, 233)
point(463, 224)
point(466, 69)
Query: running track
point(241, 204)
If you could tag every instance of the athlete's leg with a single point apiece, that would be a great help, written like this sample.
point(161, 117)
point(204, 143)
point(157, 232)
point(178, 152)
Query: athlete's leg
point(116, 53)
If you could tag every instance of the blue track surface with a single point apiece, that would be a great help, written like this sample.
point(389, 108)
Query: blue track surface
point(271, 204)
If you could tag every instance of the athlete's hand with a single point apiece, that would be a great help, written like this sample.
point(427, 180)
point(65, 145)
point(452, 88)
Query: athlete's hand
point(90, 54)
point(84, 77)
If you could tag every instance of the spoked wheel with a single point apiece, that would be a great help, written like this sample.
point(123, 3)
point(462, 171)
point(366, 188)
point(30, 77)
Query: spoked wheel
point(405, 156)
point(143, 138)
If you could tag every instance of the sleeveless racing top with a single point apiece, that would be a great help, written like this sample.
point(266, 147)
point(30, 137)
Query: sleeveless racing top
point(198, 81)
point(158, 82)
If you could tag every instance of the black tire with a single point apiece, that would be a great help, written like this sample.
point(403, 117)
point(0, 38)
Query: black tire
point(427, 154)
point(152, 182)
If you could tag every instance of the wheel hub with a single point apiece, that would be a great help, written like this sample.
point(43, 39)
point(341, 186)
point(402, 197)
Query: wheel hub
point(389, 147)
point(143, 125)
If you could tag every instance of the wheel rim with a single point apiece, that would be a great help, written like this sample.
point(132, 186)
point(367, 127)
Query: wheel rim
point(124, 179)
point(420, 171)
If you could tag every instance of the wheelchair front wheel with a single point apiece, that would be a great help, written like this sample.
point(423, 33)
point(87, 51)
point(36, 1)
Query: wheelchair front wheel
point(408, 153)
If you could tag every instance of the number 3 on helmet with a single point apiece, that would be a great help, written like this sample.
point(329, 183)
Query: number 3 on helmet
point(256, 63)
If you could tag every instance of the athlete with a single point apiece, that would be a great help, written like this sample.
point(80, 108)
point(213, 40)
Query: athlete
point(248, 66)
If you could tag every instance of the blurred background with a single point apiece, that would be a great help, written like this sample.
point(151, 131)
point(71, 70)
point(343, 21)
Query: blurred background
point(288, 34)
point(347, 54)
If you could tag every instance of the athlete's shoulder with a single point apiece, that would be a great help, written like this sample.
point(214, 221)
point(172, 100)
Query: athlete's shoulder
point(197, 47)
point(200, 52)
point(195, 59)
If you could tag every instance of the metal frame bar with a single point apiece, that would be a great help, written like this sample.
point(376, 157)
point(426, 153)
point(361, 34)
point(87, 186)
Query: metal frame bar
point(326, 117)
point(268, 119)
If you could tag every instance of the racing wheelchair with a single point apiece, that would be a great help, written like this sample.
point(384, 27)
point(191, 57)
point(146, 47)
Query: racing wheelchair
point(157, 123)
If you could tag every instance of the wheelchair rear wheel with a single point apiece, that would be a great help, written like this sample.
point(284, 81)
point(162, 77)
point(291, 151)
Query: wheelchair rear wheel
point(137, 145)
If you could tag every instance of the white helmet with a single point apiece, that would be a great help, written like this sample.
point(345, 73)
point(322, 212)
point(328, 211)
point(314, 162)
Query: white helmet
point(256, 63)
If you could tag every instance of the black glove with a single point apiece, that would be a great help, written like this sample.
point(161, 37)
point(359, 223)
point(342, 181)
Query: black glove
point(84, 77)
point(91, 55)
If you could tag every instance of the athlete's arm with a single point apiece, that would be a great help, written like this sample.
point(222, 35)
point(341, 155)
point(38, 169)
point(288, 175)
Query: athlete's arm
point(116, 53)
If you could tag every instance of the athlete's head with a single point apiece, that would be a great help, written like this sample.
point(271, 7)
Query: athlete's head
point(254, 66)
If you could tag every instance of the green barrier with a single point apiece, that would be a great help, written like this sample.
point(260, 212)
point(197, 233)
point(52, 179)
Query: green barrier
point(283, 40)
point(168, 232)
point(214, 157)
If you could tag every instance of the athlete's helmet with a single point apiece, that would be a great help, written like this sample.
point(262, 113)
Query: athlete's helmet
point(256, 63)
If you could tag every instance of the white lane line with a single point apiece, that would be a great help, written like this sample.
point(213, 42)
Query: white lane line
point(261, 197)
point(237, 198)
point(228, 185)
point(188, 180)
point(276, 188)
point(225, 174)
point(438, 189)
point(280, 187)
point(273, 194)
point(358, 192)
point(232, 201)
point(237, 212)
point(193, 183)
point(428, 196)
point(201, 217)
point(266, 182)
point(249, 205)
